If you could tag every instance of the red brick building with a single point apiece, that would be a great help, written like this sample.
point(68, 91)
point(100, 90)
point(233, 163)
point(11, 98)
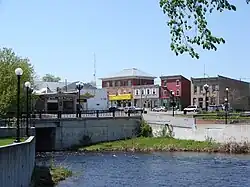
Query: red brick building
point(120, 85)
point(181, 87)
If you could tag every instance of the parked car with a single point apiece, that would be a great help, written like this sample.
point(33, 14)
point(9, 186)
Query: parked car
point(132, 109)
point(113, 109)
point(192, 108)
point(159, 109)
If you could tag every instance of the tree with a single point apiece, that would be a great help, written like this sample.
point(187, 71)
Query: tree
point(51, 78)
point(9, 61)
point(189, 26)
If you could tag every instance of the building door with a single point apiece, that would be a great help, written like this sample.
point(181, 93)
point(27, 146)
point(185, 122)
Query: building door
point(200, 102)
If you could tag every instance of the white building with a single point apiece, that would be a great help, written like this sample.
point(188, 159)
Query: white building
point(97, 100)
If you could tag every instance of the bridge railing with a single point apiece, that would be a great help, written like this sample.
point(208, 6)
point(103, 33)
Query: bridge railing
point(83, 114)
point(10, 118)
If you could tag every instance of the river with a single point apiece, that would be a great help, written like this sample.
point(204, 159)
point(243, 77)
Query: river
point(155, 169)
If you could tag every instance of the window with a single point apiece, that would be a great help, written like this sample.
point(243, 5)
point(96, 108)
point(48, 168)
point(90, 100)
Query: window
point(164, 83)
point(195, 89)
point(177, 82)
point(194, 101)
point(201, 89)
point(177, 93)
point(142, 92)
point(129, 83)
point(119, 83)
point(113, 83)
point(213, 88)
point(165, 92)
point(136, 92)
point(148, 91)
point(107, 84)
point(154, 92)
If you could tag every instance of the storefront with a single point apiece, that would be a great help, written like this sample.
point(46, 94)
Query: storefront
point(168, 103)
point(121, 100)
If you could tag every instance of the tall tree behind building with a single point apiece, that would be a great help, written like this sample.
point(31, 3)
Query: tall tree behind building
point(51, 78)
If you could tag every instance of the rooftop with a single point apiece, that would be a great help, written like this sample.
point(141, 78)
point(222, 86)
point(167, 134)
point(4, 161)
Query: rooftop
point(132, 72)
point(216, 78)
point(173, 77)
point(51, 86)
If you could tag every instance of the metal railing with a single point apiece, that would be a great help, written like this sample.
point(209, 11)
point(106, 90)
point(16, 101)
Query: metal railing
point(9, 120)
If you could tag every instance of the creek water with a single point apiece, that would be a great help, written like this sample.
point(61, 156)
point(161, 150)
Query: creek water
point(154, 169)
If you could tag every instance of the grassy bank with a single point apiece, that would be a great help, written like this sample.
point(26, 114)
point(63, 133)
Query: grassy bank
point(49, 176)
point(7, 141)
point(167, 144)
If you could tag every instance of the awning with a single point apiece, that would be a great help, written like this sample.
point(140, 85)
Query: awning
point(120, 97)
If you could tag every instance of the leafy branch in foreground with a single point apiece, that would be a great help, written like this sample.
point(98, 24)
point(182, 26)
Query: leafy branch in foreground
point(189, 26)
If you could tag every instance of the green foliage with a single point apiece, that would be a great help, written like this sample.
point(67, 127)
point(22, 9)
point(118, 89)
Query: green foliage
point(9, 61)
point(145, 129)
point(51, 78)
point(189, 26)
point(49, 176)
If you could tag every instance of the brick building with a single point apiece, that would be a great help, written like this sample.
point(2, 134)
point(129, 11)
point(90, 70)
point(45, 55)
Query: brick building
point(120, 86)
point(181, 87)
point(238, 92)
point(146, 96)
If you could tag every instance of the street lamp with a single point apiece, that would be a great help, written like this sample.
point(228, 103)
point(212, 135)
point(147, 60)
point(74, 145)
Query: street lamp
point(173, 102)
point(206, 86)
point(31, 91)
point(18, 72)
point(226, 105)
point(27, 86)
point(79, 87)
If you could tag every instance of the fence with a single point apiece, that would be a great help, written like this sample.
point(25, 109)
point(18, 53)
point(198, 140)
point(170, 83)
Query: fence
point(10, 119)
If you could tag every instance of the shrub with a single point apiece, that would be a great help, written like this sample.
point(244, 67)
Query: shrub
point(145, 129)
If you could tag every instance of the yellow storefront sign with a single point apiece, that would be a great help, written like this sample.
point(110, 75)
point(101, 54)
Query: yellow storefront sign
point(120, 97)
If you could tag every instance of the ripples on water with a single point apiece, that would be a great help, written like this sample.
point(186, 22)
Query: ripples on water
point(157, 169)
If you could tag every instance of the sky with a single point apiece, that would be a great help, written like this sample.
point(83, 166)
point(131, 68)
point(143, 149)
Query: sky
point(60, 37)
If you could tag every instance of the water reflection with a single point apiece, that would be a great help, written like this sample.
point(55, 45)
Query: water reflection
point(156, 169)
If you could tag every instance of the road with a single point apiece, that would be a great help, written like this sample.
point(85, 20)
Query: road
point(164, 118)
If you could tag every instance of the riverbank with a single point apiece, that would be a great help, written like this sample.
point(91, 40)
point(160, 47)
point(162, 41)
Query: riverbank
point(167, 144)
point(44, 176)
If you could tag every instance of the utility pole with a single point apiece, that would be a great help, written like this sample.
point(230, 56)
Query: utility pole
point(141, 93)
point(94, 74)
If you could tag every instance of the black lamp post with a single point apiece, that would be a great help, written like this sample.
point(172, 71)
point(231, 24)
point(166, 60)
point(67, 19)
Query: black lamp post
point(18, 72)
point(31, 90)
point(226, 105)
point(173, 101)
point(79, 87)
point(206, 86)
point(27, 86)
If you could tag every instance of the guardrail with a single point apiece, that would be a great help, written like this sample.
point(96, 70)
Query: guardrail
point(10, 119)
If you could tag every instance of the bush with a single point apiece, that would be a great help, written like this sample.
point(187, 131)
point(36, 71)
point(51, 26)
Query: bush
point(145, 129)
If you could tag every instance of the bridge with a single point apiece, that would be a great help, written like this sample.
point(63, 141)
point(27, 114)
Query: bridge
point(62, 131)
